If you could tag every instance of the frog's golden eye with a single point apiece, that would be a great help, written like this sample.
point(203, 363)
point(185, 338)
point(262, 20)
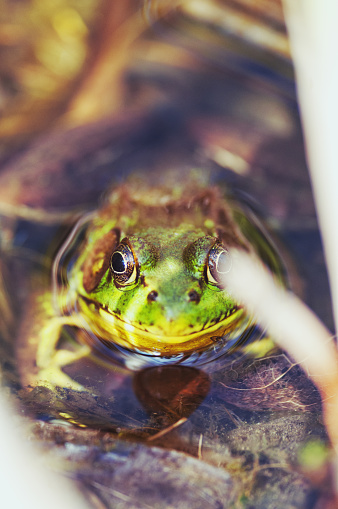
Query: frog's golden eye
point(218, 264)
point(123, 265)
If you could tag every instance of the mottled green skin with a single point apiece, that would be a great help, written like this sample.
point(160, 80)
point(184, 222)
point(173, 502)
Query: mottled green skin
point(170, 233)
point(165, 268)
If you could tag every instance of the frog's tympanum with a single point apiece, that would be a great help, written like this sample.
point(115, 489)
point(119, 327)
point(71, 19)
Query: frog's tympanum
point(147, 273)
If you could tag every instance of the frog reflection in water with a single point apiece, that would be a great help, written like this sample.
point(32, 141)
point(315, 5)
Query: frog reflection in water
point(148, 276)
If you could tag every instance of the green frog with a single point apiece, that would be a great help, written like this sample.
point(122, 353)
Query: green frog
point(146, 275)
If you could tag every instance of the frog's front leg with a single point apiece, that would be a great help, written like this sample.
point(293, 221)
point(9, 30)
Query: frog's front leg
point(50, 361)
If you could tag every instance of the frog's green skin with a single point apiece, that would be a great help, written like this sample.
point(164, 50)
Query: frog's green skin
point(171, 302)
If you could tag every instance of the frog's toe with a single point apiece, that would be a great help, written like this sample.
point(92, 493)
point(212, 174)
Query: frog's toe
point(53, 376)
point(65, 357)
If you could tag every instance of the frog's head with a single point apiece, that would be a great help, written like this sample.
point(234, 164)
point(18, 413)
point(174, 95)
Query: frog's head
point(162, 291)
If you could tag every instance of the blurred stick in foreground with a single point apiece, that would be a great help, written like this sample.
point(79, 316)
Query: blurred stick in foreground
point(26, 481)
point(312, 26)
point(314, 40)
point(296, 329)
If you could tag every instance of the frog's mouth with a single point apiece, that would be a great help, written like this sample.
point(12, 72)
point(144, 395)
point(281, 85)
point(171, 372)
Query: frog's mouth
point(113, 329)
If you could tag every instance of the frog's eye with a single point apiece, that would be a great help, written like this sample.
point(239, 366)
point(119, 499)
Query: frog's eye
point(218, 264)
point(123, 265)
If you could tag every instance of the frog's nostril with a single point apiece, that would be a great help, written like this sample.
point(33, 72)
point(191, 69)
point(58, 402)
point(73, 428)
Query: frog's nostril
point(193, 296)
point(152, 296)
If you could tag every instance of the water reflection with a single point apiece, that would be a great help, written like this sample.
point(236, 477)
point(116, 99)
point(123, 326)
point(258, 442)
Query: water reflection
point(169, 393)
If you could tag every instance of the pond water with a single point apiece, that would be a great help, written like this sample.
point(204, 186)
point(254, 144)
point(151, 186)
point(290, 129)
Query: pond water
point(223, 425)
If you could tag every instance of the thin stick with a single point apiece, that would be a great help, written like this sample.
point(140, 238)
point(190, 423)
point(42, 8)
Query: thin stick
point(167, 430)
point(199, 453)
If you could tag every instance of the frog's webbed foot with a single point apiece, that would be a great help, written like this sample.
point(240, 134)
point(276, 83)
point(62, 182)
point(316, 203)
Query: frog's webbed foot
point(50, 361)
point(52, 374)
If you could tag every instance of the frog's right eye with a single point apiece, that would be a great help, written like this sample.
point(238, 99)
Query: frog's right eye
point(219, 263)
point(123, 265)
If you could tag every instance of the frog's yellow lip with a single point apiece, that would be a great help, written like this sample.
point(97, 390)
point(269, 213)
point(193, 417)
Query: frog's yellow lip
point(114, 330)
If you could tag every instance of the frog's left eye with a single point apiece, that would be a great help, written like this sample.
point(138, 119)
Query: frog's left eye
point(123, 265)
point(218, 264)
